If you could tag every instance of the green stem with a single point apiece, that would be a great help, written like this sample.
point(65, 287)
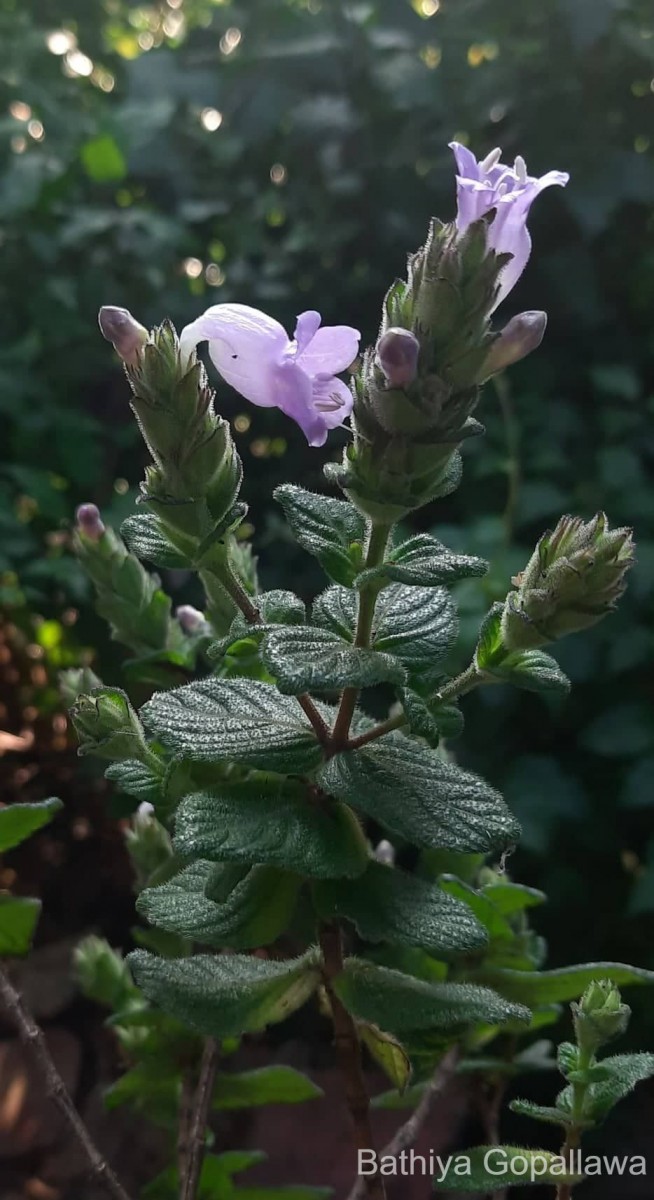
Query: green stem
point(471, 678)
point(377, 541)
point(573, 1138)
point(465, 682)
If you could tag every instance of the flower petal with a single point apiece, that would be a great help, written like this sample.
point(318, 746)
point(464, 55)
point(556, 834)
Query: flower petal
point(331, 350)
point(244, 346)
point(466, 163)
point(308, 324)
point(333, 399)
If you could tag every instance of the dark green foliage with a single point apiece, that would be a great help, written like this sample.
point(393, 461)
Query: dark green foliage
point(530, 669)
point(20, 821)
point(331, 529)
point(319, 660)
point(425, 561)
point(551, 987)
point(492, 1165)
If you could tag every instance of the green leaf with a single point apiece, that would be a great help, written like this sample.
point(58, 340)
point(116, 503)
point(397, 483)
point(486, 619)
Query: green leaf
point(238, 719)
point(493, 1168)
point(394, 1100)
point(20, 821)
point(136, 779)
point(330, 529)
point(256, 912)
point(215, 1182)
point(226, 995)
point(144, 536)
point(565, 983)
point(491, 917)
point(311, 659)
point(425, 561)
point(510, 898)
point(103, 160)
point(272, 821)
point(275, 608)
point(400, 1002)
point(151, 1087)
point(267, 1085)
point(540, 1112)
point(431, 719)
point(387, 905)
point(624, 1072)
point(532, 670)
point(292, 1191)
point(18, 917)
point(388, 1053)
point(415, 794)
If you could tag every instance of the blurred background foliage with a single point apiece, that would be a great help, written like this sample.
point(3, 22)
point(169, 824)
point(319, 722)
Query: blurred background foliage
point(287, 154)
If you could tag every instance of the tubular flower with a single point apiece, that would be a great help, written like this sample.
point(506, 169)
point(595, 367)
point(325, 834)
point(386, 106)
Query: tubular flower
point(510, 191)
point(254, 355)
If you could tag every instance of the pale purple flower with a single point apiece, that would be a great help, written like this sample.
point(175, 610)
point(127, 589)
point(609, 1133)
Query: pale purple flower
point(89, 521)
point(253, 353)
point(127, 337)
point(482, 186)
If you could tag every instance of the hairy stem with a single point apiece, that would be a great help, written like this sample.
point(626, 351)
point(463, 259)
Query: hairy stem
point(348, 1050)
point(573, 1138)
point(198, 1121)
point(465, 682)
point(377, 541)
point(33, 1038)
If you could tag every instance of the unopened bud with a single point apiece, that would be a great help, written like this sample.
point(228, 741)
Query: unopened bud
point(385, 853)
point(397, 354)
point(523, 334)
point(600, 1015)
point(107, 726)
point(89, 522)
point(148, 844)
point(118, 326)
point(574, 578)
point(191, 620)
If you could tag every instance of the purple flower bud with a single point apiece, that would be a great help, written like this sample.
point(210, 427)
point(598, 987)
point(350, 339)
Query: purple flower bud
point(385, 853)
point(523, 334)
point(190, 619)
point(89, 521)
point(397, 353)
point(118, 326)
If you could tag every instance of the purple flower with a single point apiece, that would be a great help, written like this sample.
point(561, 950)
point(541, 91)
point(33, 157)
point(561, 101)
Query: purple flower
point(253, 353)
point(482, 186)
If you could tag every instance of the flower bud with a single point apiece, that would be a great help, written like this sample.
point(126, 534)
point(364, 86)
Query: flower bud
point(574, 578)
point(148, 844)
point(523, 334)
point(385, 853)
point(118, 326)
point(191, 620)
point(89, 522)
point(397, 353)
point(600, 1015)
point(107, 726)
point(103, 974)
point(75, 681)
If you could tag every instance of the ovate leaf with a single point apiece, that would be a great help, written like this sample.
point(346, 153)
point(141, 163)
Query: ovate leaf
point(540, 1112)
point(267, 1085)
point(415, 794)
point(330, 529)
point(425, 561)
point(623, 1072)
point(388, 1053)
point(532, 670)
point(236, 719)
point(537, 988)
point(136, 779)
point(20, 821)
point(226, 995)
point(310, 659)
point(144, 536)
point(18, 917)
point(272, 821)
point(493, 1168)
point(386, 904)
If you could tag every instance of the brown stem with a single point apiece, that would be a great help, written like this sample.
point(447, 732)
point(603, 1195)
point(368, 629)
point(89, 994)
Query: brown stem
point(407, 1134)
point(198, 1123)
point(33, 1038)
point(348, 1051)
point(378, 731)
point(185, 1113)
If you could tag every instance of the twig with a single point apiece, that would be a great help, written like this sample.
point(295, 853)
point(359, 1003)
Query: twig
point(33, 1038)
point(376, 732)
point(407, 1134)
point(348, 1050)
point(184, 1122)
point(199, 1117)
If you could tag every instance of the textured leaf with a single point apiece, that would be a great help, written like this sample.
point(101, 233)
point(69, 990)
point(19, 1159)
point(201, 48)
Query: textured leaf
point(388, 1053)
point(565, 983)
point(272, 821)
point(481, 905)
point(532, 670)
point(20, 821)
point(255, 913)
point(136, 779)
point(510, 898)
point(18, 917)
point(425, 561)
point(146, 539)
point(330, 529)
point(540, 1112)
point(387, 905)
point(411, 792)
point(267, 1085)
point(431, 719)
point(226, 995)
point(238, 719)
point(277, 607)
point(489, 1168)
point(624, 1072)
point(310, 659)
point(400, 1002)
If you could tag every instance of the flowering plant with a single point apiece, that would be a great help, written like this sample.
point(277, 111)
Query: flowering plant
point(263, 783)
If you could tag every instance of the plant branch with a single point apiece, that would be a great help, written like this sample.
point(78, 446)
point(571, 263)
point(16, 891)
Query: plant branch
point(377, 731)
point(407, 1134)
point(198, 1120)
point(348, 1050)
point(33, 1038)
point(377, 542)
point(465, 682)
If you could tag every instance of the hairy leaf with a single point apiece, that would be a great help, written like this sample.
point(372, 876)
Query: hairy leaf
point(622, 1073)
point(136, 779)
point(272, 821)
point(310, 659)
point(238, 719)
point(387, 905)
point(489, 1168)
point(20, 821)
point(431, 719)
point(145, 537)
point(565, 983)
point(410, 790)
point(425, 561)
point(266, 1085)
point(510, 898)
point(388, 1053)
point(332, 530)
point(532, 670)
point(539, 1112)
point(226, 995)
